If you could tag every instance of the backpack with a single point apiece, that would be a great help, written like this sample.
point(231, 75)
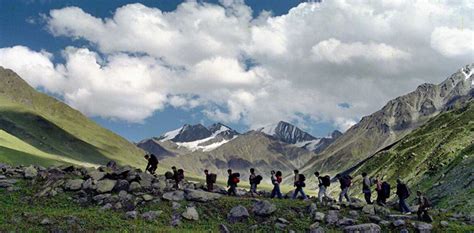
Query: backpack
point(258, 179)
point(169, 175)
point(302, 178)
point(348, 181)
point(326, 181)
point(386, 189)
point(408, 191)
point(427, 202)
point(235, 178)
point(213, 178)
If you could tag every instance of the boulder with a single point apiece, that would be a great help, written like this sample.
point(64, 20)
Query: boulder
point(356, 205)
point(280, 226)
point(282, 220)
point(318, 216)
point(312, 208)
point(145, 179)
point(316, 230)
point(331, 217)
point(175, 205)
point(105, 186)
point(200, 196)
point(369, 209)
point(95, 175)
point(380, 210)
point(45, 221)
point(134, 187)
point(30, 172)
point(73, 185)
point(190, 213)
point(147, 197)
point(151, 215)
point(176, 220)
point(131, 214)
point(422, 227)
point(122, 185)
point(107, 206)
point(335, 207)
point(444, 223)
point(263, 208)
point(237, 214)
point(177, 195)
point(398, 223)
point(346, 222)
point(375, 218)
point(354, 214)
point(363, 228)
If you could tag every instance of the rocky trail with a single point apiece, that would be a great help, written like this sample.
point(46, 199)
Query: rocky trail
point(115, 198)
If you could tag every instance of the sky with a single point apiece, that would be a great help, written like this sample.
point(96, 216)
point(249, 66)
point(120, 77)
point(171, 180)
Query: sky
point(147, 67)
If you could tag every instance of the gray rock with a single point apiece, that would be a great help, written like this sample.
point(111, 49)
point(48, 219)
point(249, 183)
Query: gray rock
point(316, 230)
point(88, 184)
point(331, 217)
point(2, 177)
point(282, 220)
point(354, 214)
point(363, 228)
point(174, 196)
point(375, 218)
point(312, 208)
point(384, 223)
point(176, 220)
point(73, 185)
point(223, 229)
point(118, 206)
point(398, 223)
point(356, 205)
point(318, 216)
point(123, 195)
point(175, 205)
point(335, 207)
point(122, 185)
point(45, 221)
point(444, 223)
point(107, 206)
point(380, 210)
point(369, 209)
point(31, 172)
point(263, 208)
point(96, 175)
point(105, 186)
point(191, 213)
point(238, 213)
point(134, 187)
point(346, 222)
point(280, 226)
point(100, 197)
point(200, 196)
point(145, 179)
point(147, 197)
point(131, 214)
point(422, 227)
point(404, 230)
point(151, 215)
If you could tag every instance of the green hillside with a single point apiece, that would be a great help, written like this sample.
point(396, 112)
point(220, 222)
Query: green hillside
point(437, 158)
point(38, 129)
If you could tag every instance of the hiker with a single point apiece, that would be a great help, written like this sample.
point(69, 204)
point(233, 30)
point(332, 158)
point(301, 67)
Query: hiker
point(385, 193)
point(345, 181)
point(378, 189)
point(254, 180)
point(296, 177)
point(232, 182)
point(323, 183)
point(366, 183)
point(299, 184)
point(180, 177)
point(152, 163)
point(276, 181)
point(424, 205)
point(403, 193)
point(175, 177)
point(210, 180)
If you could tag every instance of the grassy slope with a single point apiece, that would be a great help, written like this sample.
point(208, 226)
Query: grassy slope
point(437, 158)
point(54, 128)
point(20, 213)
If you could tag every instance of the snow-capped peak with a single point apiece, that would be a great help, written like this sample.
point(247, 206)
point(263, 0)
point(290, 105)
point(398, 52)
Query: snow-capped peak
point(171, 134)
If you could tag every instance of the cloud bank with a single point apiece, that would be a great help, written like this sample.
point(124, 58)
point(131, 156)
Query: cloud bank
point(294, 67)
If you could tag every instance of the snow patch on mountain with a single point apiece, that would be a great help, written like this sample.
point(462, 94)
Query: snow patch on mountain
point(196, 145)
point(171, 134)
point(309, 145)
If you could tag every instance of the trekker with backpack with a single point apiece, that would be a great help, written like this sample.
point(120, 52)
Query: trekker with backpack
point(366, 183)
point(276, 180)
point(152, 164)
point(323, 183)
point(345, 181)
point(385, 193)
point(378, 189)
point(232, 182)
point(179, 178)
point(296, 177)
point(424, 205)
point(210, 180)
point(254, 180)
point(403, 193)
point(299, 184)
point(175, 177)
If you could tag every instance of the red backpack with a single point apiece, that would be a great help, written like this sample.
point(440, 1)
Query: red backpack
point(236, 180)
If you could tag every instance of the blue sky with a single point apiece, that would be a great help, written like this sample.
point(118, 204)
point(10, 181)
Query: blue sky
point(143, 69)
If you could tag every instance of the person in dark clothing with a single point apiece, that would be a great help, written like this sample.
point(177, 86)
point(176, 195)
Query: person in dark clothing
point(366, 183)
point(296, 177)
point(253, 182)
point(299, 184)
point(152, 163)
point(385, 193)
point(175, 177)
point(210, 180)
point(345, 183)
point(276, 181)
point(231, 184)
point(180, 177)
point(378, 189)
point(322, 186)
point(423, 206)
point(403, 193)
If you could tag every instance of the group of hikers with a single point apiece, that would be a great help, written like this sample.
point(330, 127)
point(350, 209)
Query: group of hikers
point(382, 188)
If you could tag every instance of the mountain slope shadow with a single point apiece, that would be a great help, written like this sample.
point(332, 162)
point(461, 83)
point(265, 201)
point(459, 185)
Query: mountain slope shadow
point(48, 137)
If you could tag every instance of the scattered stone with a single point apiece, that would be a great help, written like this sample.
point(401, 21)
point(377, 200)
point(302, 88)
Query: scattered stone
point(368, 209)
point(404, 230)
point(237, 214)
point(356, 205)
point(118, 206)
point(346, 222)
point(151, 215)
point(145, 179)
point(2, 177)
point(191, 213)
point(335, 207)
point(223, 229)
point(444, 223)
point(174, 196)
point(45, 221)
point(280, 226)
point(263, 208)
point(31, 172)
point(122, 185)
point(354, 214)
point(384, 223)
point(107, 206)
point(375, 218)
point(282, 220)
point(131, 214)
point(331, 217)
point(96, 175)
point(422, 227)
point(73, 185)
point(200, 196)
point(363, 228)
point(399, 222)
point(317, 230)
point(318, 216)
point(88, 184)
point(314, 225)
point(134, 187)
point(105, 186)
point(380, 210)
point(175, 205)
point(147, 197)
point(176, 220)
